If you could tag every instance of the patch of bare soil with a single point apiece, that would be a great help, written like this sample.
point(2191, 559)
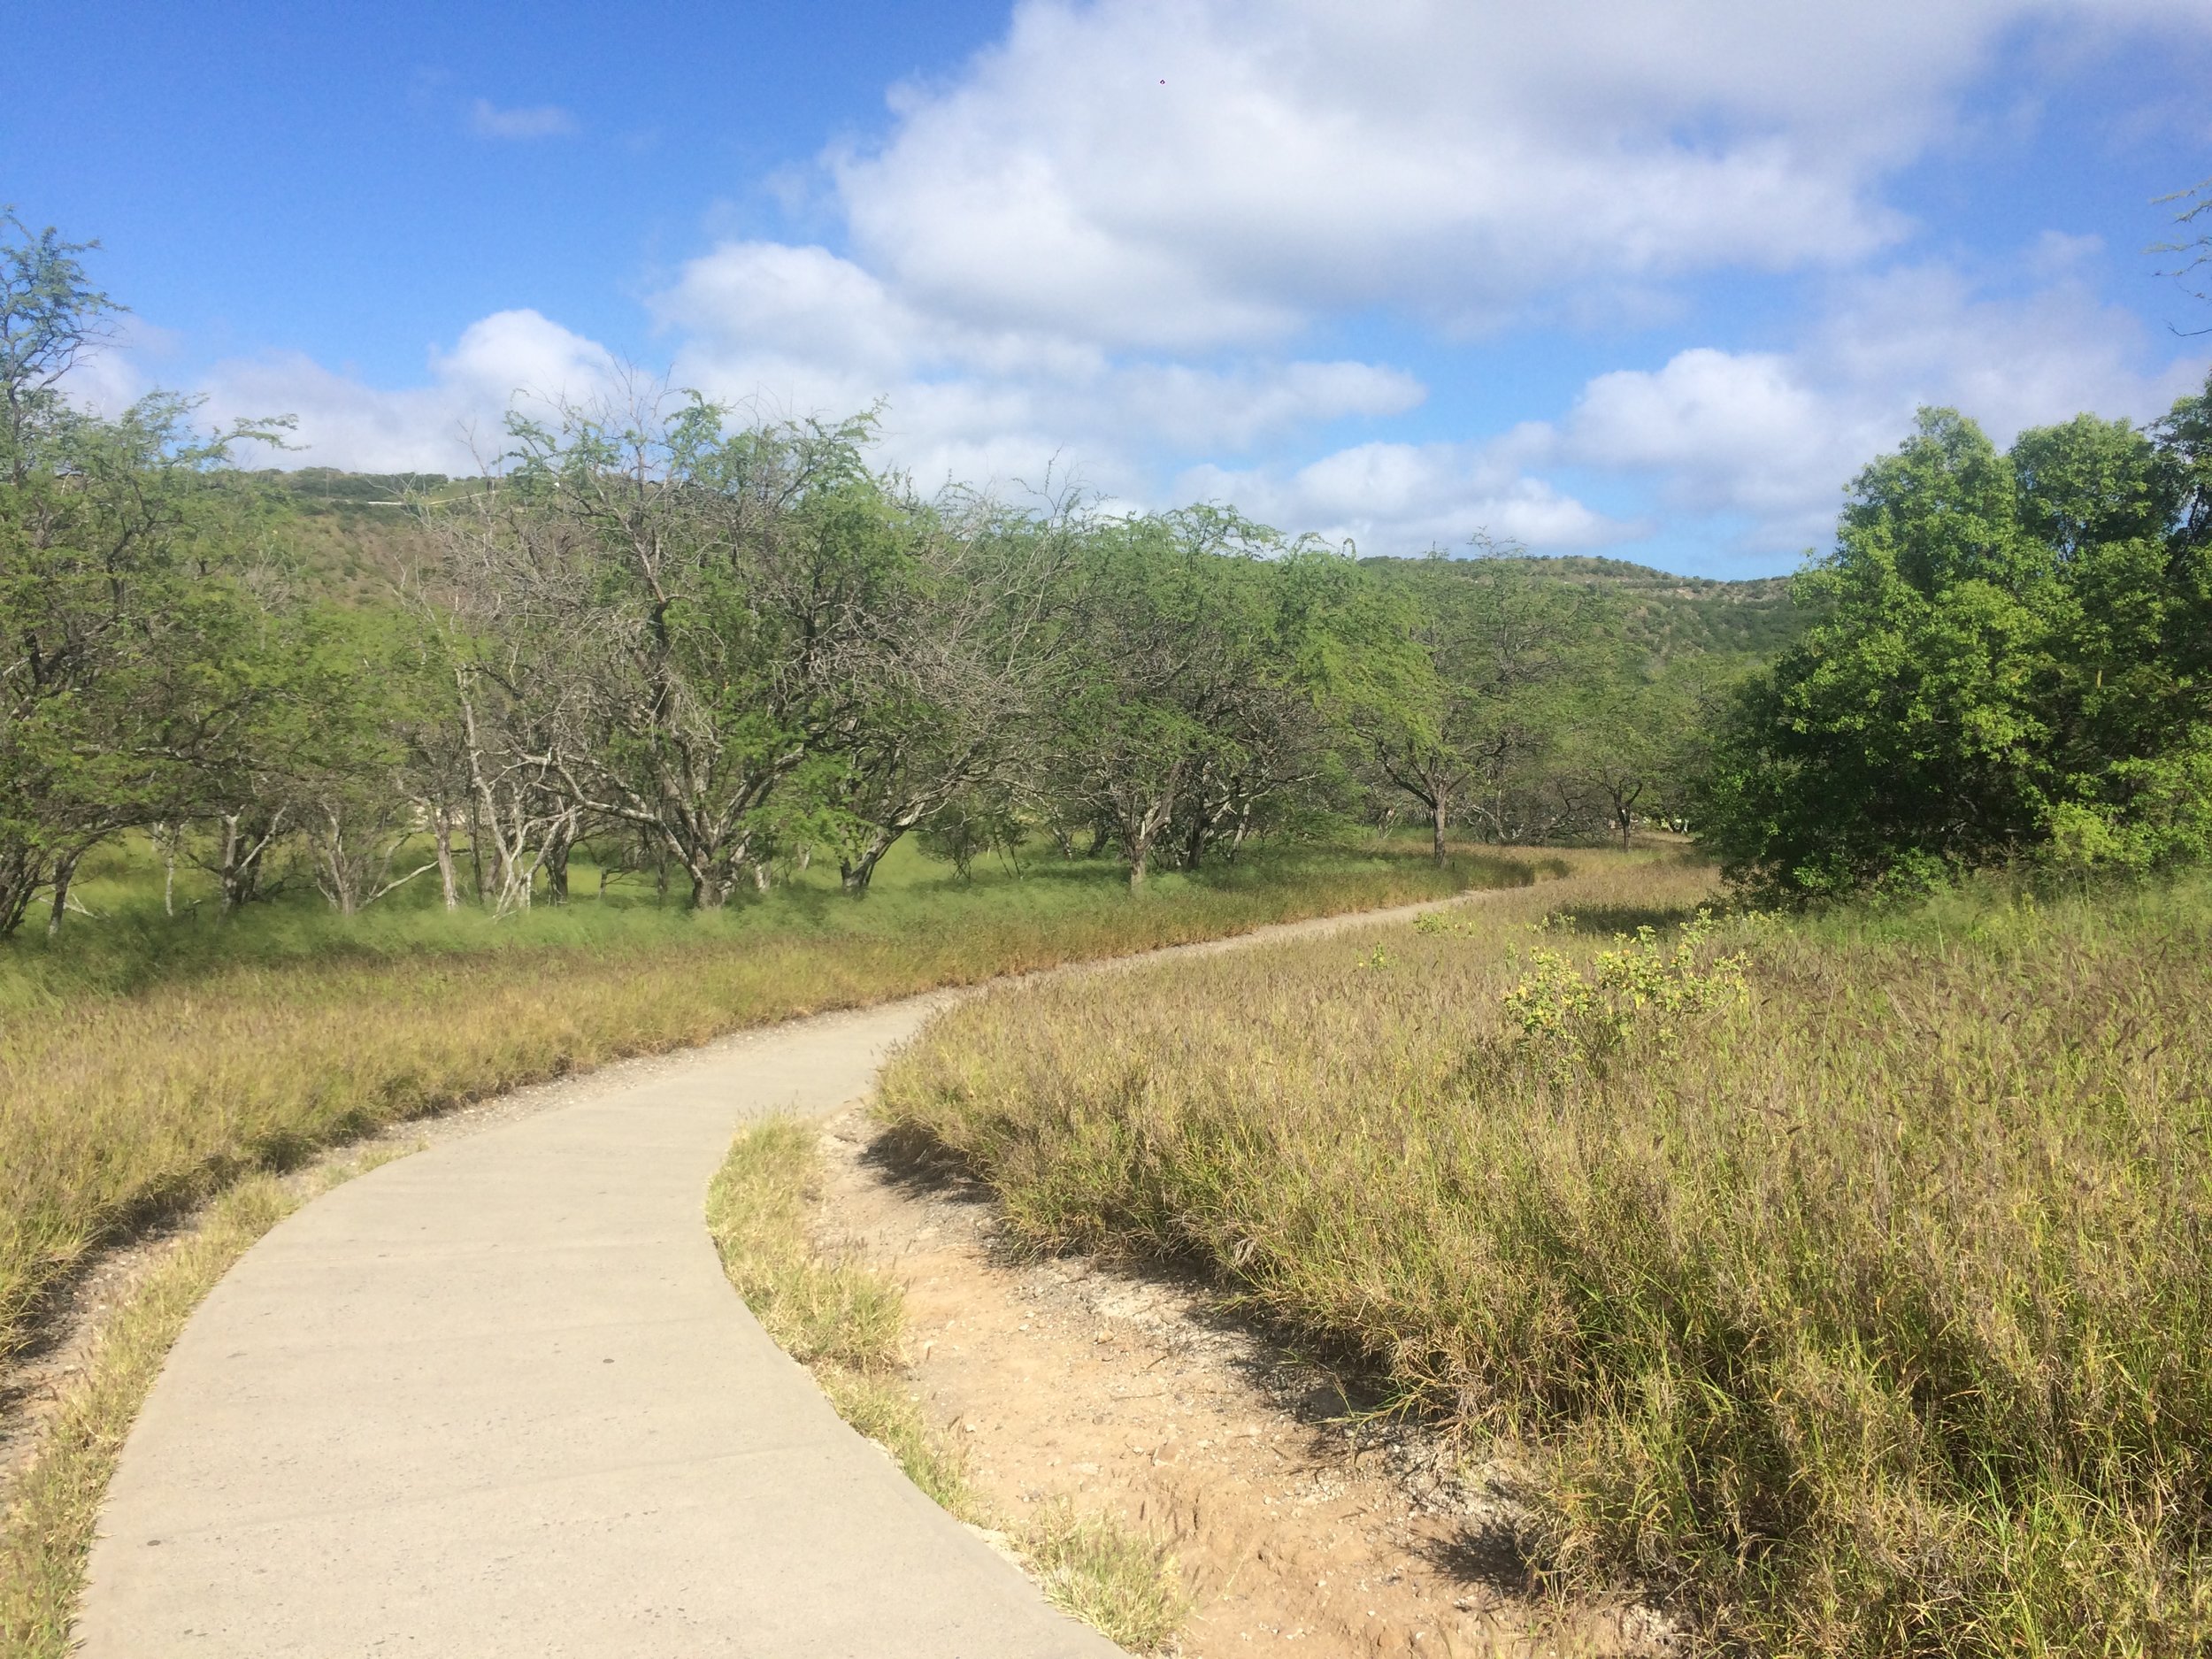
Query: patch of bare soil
point(1302, 1528)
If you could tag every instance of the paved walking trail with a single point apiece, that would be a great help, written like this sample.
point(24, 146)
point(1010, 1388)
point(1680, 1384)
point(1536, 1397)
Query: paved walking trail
point(497, 1399)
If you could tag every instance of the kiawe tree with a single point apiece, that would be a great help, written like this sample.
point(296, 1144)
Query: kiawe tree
point(1182, 696)
point(129, 664)
point(1504, 652)
point(703, 635)
point(954, 683)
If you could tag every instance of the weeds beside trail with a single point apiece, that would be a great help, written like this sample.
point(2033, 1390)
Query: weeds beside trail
point(144, 1066)
point(844, 1322)
point(1866, 1311)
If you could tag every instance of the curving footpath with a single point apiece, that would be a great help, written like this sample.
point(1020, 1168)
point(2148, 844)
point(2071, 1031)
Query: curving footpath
point(497, 1399)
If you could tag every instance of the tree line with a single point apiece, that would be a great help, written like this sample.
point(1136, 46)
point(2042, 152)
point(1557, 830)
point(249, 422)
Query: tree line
point(714, 653)
point(710, 654)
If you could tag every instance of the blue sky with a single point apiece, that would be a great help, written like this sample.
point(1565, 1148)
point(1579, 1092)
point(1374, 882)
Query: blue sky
point(1636, 276)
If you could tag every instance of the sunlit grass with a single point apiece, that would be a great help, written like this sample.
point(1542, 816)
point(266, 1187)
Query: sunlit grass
point(146, 1060)
point(1870, 1315)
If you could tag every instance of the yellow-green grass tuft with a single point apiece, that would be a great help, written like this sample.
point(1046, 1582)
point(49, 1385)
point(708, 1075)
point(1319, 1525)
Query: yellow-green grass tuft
point(1123, 1584)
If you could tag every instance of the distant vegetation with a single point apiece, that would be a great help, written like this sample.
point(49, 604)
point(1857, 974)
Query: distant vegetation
point(704, 659)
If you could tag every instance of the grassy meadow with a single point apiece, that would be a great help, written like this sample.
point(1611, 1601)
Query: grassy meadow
point(1844, 1284)
point(148, 1059)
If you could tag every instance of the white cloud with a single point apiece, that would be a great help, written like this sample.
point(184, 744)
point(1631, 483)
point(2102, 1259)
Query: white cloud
point(487, 119)
point(449, 425)
point(1099, 243)
point(1774, 436)
point(1401, 497)
point(799, 330)
point(1187, 173)
point(1106, 245)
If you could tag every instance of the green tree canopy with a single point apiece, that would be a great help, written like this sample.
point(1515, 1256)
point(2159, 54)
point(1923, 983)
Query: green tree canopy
point(2012, 661)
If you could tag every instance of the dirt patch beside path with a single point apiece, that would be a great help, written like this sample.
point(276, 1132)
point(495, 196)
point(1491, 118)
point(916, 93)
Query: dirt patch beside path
point(1300, 1529)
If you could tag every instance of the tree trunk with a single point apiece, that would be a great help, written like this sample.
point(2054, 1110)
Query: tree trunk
point(442, 829)
point(557, 867)
point(1244, 828)
point(19, 871)
point(1439, 819)
point(226, 872)
point(476, 855)
point(708, 890)
point(855, 876)
point(65, 871)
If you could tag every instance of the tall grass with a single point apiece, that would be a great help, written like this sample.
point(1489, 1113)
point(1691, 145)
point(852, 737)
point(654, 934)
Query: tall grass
point(145, 1061)
point(1870, 1314)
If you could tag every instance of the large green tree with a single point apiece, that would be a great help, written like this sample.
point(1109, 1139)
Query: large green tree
point(134, 653)
point(2012, 661)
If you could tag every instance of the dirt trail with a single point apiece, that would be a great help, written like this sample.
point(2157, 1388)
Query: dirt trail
point(1301, 1532)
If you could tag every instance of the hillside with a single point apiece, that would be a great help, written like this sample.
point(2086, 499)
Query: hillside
point(1667, 614)
point(354, 529)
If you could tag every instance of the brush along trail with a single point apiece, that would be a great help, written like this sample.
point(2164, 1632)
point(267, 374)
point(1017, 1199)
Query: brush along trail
point(497, 1399)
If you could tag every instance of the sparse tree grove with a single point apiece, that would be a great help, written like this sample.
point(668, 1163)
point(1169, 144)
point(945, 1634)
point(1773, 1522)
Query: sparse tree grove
point(712, 653)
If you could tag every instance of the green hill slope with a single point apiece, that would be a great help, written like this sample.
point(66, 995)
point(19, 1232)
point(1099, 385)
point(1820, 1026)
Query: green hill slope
point(1665, 614)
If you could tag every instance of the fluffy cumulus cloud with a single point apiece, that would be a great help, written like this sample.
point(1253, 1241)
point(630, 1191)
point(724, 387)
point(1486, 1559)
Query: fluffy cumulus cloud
point(1107, 244)
point(1187, 172)
point(1405, 498)
point(1105, 238)
point(452, 423)
point(1768, 437)
point(799, 329)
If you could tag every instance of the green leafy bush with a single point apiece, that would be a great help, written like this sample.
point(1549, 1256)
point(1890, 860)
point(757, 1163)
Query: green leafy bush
point(1638, 991)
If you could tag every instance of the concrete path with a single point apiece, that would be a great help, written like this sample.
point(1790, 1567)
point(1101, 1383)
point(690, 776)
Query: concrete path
point(498, 1399)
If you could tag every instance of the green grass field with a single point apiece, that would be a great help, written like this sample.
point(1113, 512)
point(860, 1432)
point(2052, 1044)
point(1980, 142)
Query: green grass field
point(1865, 1311)
point(148, 1059)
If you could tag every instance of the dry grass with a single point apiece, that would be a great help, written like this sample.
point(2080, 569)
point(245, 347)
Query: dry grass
point(50, 1523)
point(1122, 1584)
point(119, 1104)
point(1869, 1314)
point(845, 1322)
